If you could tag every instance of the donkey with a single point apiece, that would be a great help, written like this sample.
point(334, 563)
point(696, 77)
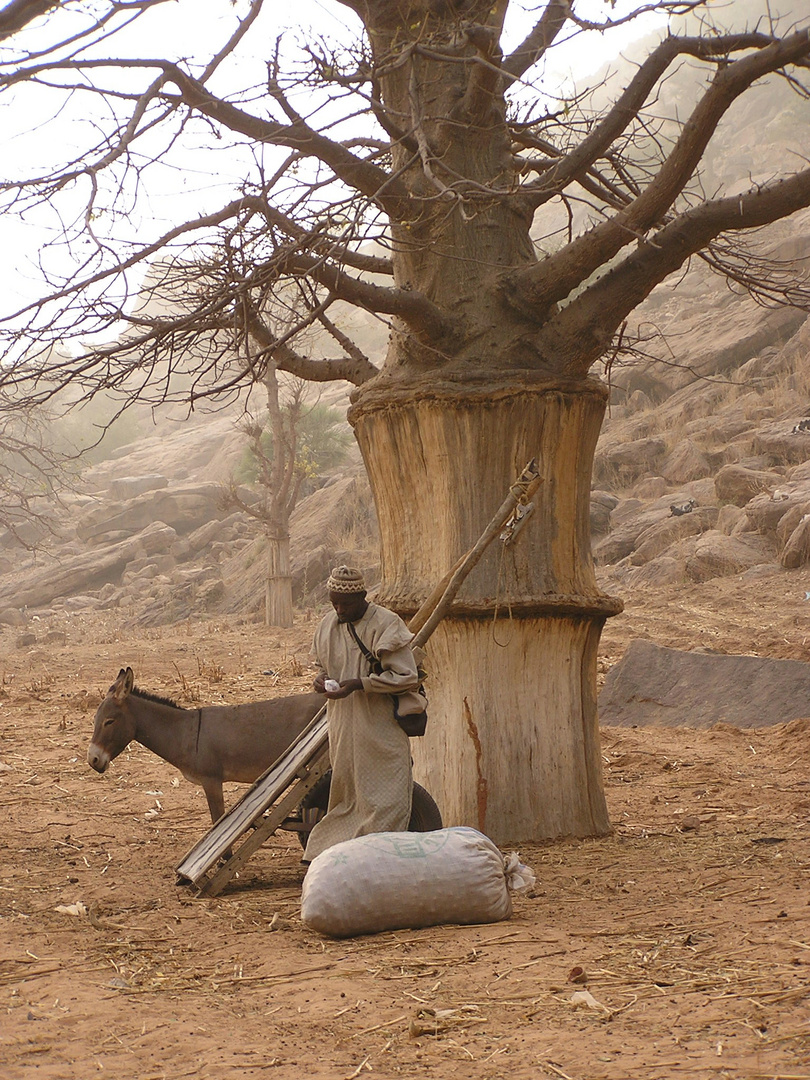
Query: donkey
point(211, 745)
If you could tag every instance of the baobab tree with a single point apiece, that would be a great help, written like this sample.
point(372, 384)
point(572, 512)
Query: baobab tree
point(404, 170)
point(290, 445)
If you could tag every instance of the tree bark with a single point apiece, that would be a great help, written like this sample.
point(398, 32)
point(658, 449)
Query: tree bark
point(278, 596)
point(513, 742)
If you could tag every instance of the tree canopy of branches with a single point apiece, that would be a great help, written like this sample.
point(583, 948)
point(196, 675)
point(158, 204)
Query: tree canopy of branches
point(407, 169)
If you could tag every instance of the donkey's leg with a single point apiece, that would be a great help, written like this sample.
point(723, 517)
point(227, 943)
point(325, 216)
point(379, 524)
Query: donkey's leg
point(216, 800)
point(216, 804)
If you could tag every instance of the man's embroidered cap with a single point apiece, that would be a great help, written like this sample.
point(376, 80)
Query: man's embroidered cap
point(345, 579)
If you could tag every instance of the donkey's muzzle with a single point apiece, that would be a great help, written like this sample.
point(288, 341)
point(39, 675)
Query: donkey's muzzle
point(97, 758)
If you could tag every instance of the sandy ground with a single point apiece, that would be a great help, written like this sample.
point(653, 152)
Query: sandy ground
point(690, 925)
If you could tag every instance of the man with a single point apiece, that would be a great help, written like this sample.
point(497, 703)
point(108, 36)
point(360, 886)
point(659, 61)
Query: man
point(370, 753)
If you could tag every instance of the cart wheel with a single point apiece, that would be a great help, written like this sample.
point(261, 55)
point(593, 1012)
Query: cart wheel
point(425, 814)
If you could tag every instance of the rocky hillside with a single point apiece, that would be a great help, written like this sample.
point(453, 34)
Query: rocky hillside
point(147, 533)
point(703, 467)
point(695, 478)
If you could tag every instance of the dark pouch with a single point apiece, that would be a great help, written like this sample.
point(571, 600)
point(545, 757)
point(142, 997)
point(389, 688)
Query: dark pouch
point(412, 723)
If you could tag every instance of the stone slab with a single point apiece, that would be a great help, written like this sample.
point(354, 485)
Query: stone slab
point(653, 686)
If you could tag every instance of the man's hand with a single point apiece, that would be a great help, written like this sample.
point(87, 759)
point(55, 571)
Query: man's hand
point(346, 688)
point(317, 683)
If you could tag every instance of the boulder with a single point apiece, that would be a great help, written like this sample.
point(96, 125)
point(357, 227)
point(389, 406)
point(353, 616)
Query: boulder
point(718, 555)
point(638, 401)
point(742, 525)
point(651, 487)
point(629, 380)
point(128, 487)
point(156, 539)
point(728, 517)
point(105, 539)
point(656, 538)
point(627, 461)
point(146, 572)
point(623, 538)
point(210, 593)
point(12, 617)
point(765, 512)
point(789, 520)
point(762, 572)
point(211, 531)
point(702, 491)
point(79, 603)
point(722, 429)
point(796, 551)
point(156, 564)
point(738, 485)
point(665, 570)
point(40, 586)
point(685, 463)
point(602, 505)
point(653, 686)
point(27, 533)
point(625, 510)
point(781, 444)
point(185, 509)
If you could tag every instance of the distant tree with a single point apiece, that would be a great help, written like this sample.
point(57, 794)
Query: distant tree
point(421, 170)
point(292, 445)
point(32, 475)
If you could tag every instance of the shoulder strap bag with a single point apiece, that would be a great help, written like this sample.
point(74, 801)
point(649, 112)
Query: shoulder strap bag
point(412, 723)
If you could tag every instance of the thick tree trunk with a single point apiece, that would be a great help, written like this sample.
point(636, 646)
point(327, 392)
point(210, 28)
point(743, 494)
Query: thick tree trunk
point(513, 741)
point(278, 597)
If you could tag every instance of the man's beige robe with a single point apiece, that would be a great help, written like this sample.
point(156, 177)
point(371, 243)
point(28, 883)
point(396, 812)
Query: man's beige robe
point(370, 753)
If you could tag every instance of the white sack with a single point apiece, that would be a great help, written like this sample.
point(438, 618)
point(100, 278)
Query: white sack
point(390, 881)
point(519, 877)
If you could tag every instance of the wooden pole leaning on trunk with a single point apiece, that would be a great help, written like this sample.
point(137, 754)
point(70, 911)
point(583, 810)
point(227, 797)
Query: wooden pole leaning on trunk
point(427, 618)
point(303, 763)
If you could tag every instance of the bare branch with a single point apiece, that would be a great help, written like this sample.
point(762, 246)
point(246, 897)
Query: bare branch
point(372, 181)
point(315, 241)
point(350, 368)
point(18, 13)
point(539, 39)
point(559, 12)
point(142, 255)
point(551, 281)
point(424, 318)
point(604, 305)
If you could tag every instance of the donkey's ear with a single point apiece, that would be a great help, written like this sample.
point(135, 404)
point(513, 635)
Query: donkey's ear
point(123, 685)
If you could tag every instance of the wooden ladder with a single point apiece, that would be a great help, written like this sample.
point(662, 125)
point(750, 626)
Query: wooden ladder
point(248, 822)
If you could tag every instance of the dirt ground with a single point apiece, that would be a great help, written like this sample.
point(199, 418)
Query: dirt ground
point(688, 928)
